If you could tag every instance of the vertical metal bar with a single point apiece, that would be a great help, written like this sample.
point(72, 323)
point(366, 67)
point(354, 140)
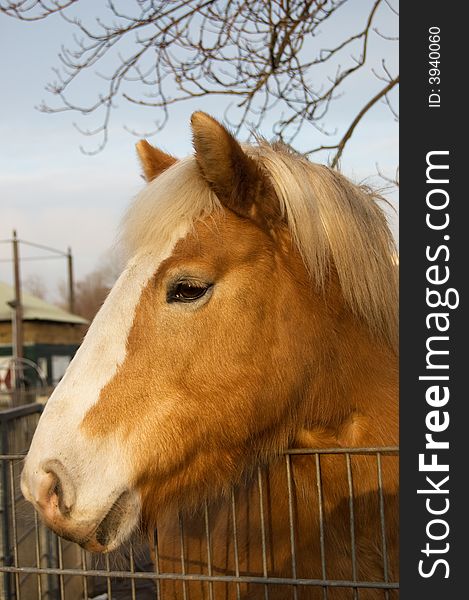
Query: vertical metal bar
point(157, 564)
point(291, 523)
point(14, 529)
point(132, 570)
point(61, 566)
point(7, 559)
point(261, 511)
point(38, 555)
point(209, 550)
point(235, 543)
point(108, 578)
point(352, 523)
point(84, 578)
point(321, 522)
point(183, 557)
point(382, 523)
point(17, 305)
point(51, 562)
point(71, 285)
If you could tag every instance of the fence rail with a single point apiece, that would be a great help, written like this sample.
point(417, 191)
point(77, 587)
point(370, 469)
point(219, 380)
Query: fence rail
point(37, 565)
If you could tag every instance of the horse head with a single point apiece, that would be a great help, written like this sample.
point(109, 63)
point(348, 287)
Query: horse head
point(257, 288)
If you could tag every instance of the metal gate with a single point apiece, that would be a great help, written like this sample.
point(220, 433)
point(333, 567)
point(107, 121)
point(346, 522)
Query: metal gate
point(36, 564)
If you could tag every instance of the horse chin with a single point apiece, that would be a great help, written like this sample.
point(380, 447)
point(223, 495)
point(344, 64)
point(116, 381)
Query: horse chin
point(117, 525)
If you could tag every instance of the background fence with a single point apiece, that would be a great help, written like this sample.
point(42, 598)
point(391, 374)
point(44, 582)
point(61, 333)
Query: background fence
point(36, 564)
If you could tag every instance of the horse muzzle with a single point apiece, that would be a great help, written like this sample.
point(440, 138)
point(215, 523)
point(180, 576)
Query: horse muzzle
point(52, 492)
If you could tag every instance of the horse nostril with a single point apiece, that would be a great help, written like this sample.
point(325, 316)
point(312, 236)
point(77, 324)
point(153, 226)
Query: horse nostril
point(56, 488)
point(57, 491)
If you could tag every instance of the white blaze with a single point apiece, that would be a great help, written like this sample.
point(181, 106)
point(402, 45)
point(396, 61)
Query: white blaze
point(99, 468)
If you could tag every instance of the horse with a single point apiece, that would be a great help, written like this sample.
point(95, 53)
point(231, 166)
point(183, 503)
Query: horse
point(257, 313)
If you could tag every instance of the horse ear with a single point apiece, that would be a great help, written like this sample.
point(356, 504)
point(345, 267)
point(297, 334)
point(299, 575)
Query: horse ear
point(153, 160)
point(235, 177)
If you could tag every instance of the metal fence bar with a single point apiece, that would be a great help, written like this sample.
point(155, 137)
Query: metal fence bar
point(235, 544)
point(14, 529)
point(382, 522)
point(51, 557)
point(262, 522)
point(61, 566)
point(183, 557)
point(132, 570)
point(333, 583)
point(321, 522)
point(38, 554)
point(7, 558)
point(108, 577)
point(352, 523)
point(371, 450)
point(209, 550)
point(157, 564)
point(10, 414)
point(291, 523)
point(14, 522)
point(8, 457)
point(84, 577)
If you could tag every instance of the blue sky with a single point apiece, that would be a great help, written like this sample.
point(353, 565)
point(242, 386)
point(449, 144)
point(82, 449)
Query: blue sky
point(53, 194)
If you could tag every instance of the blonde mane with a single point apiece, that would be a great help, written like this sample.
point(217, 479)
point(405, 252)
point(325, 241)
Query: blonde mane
point(331, 220)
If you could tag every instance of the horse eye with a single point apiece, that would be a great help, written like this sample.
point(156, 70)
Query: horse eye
point(186, 291)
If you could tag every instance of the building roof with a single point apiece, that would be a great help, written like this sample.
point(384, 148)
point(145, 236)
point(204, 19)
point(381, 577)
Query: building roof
point(34, 309)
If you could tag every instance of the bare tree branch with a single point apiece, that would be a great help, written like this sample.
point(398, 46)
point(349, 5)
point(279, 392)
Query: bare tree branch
point(348, 134)
point(34, 10)
point(392, 181)
point(265, 55)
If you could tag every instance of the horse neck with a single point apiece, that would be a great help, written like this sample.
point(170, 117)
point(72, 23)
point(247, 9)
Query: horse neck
point(353, 396)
